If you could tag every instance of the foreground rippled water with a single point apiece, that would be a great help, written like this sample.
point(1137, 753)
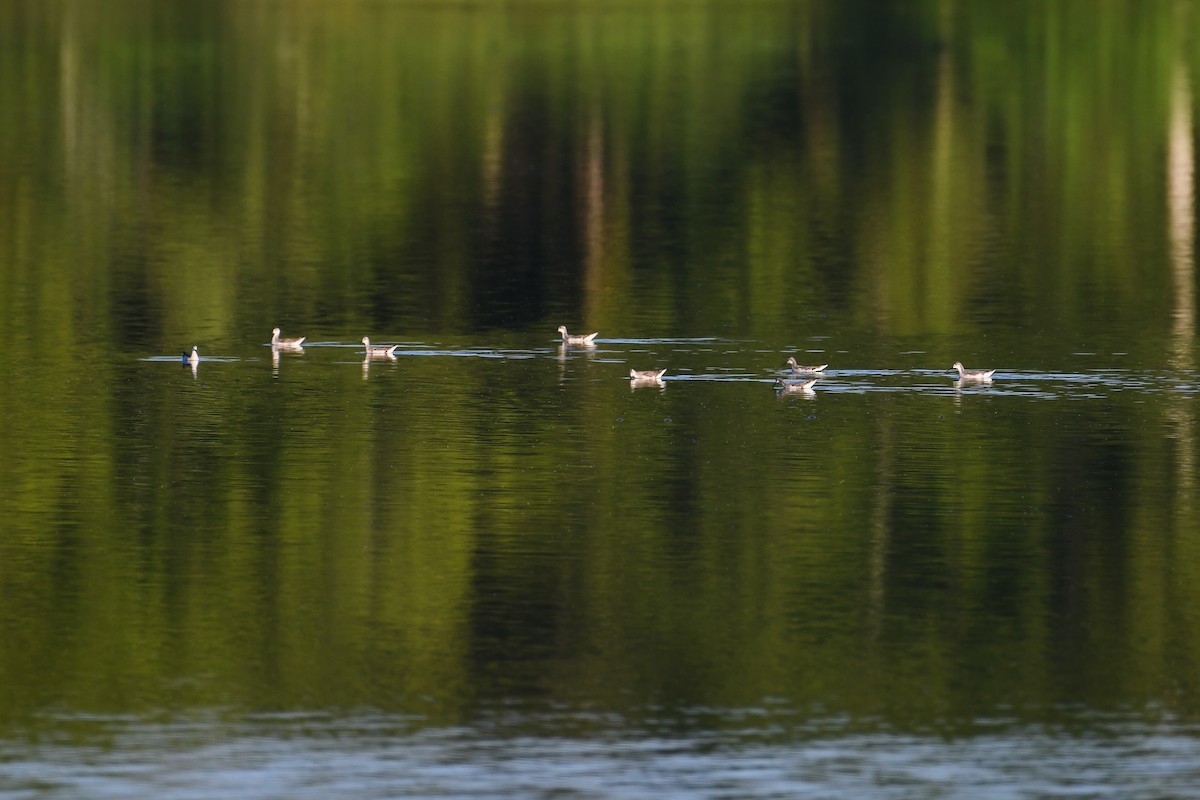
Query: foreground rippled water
point(765, 754)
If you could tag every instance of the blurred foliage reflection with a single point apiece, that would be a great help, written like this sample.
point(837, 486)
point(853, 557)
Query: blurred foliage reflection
point(894, 184)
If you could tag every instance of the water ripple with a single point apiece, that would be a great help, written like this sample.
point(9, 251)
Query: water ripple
point(760, 753)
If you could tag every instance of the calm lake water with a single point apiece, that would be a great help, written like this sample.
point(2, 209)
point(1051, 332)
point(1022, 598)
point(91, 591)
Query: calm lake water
point(493, 567)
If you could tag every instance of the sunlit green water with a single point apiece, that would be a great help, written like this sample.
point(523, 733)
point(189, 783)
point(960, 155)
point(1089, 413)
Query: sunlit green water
point(492, 554)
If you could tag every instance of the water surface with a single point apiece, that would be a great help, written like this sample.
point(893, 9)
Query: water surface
point(492, 566)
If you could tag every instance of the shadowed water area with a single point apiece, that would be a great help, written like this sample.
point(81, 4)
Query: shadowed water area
point(492, 565)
